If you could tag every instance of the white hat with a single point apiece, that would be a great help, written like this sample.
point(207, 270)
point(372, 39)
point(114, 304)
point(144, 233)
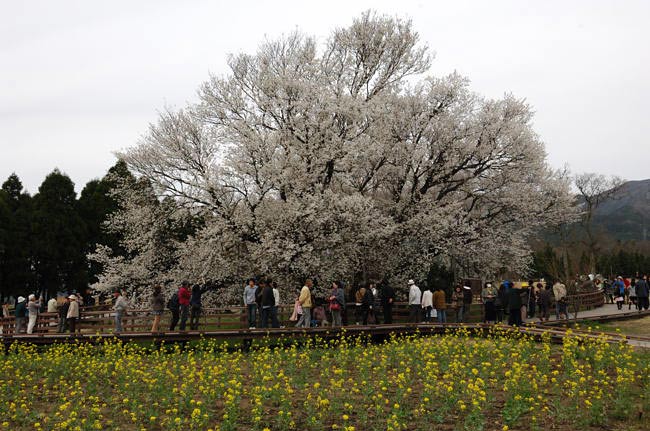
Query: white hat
point(467, 287)
point(72, 297)
point(31, 296)
point(21, 299)
point(411, 282)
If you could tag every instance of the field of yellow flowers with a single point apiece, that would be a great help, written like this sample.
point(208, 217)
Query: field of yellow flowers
point(504, 381)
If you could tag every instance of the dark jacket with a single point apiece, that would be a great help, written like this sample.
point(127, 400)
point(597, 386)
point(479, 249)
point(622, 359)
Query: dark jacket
point(268, 299)
point(368, 298)
point(21, 309)
point(387, 294)
point(63, 309)
point(197, 291)
point(514, 299)
point(545, 297)
point(641, 289)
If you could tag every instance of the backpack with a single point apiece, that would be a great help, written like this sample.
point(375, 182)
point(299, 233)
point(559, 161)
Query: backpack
point(172, 303)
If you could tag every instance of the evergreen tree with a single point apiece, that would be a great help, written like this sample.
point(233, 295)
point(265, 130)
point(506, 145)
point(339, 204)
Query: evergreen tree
point(59, 233)
point(16, 275)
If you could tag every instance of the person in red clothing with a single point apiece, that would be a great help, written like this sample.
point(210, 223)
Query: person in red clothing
point(184, 296)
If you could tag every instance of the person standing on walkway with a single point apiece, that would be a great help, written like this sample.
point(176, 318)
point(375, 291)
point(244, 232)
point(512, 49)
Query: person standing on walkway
point(20, 312)
point(439, 301)
point(33, 306)
point(544, 302)
point(488, 296)
point(250, 292)
point(427, 304)
point(275, 321)
point(174, 308)
point(415, 302)
point(525, 293)
point(376, 303)
point(63, 316)
point(73, 314)
point(337, 302)
point(119, 306)
point(157, 307)
point(642, 293)
point(305, 303)
point(52, 305)
point(559, 293)
point(387, 300)
point(184, 297)
point(514, 307)
point(457, 299)
point(196, 306)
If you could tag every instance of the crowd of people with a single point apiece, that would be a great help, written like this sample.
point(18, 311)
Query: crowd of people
point(373, 304)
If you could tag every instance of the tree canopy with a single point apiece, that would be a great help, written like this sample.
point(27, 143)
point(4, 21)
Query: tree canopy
point(345, 160)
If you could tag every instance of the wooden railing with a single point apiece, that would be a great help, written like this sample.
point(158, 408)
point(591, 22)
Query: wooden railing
point(98, 320)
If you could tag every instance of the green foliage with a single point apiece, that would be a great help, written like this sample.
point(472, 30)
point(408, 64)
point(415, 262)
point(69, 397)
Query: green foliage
point(44, 240)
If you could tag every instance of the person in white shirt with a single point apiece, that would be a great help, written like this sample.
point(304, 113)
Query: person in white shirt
point(415, 300)
point(427, 304)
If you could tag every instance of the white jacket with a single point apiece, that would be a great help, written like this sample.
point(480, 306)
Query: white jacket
point(427, 299)
point(415, 295)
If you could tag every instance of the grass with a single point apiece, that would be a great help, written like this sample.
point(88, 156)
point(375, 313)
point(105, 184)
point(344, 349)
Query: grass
point(452, 382)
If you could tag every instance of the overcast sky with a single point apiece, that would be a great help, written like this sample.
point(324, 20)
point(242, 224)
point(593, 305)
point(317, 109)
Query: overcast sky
point(82, 79)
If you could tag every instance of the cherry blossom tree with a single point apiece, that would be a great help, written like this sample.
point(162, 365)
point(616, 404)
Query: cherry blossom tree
point(341, 160)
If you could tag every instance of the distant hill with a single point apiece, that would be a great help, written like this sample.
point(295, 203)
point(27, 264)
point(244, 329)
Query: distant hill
point(626, 215)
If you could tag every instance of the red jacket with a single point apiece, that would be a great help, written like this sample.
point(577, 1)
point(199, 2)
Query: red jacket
point(184, 296)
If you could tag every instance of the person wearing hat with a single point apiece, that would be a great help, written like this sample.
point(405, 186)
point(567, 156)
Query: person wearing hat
point(73, 313)
point(32, 307)
point(415, 301)
point(20, 314)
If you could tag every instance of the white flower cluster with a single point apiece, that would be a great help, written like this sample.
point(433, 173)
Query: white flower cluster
point(343, 161)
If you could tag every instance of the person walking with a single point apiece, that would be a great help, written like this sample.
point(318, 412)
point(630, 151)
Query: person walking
point(632, 295)
point(20, 312)
point(439, 301)
point(468, 298)
point(376, 303)
point(63, 316)
point(336, 303)
point(415, 302)
point(73, 314)
point(33, 306)
point(250, 292)
point(305, 302)
point(366, 306)
point(500, 301)
point(642, 292)
point(488, 296)
point(184, 296)
point(427, 304)
point(119, 306)
point(387, 300)
point(559, 294)
point(157, 307)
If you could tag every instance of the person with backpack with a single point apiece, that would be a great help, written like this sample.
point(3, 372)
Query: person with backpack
point(174, 307)
point(157, 307)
